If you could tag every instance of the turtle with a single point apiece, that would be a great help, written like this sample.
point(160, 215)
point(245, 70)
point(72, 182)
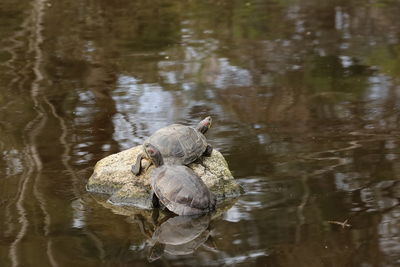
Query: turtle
point(177, 187)
point(178, 144)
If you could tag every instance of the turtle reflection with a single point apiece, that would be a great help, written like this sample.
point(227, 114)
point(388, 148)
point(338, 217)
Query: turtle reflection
point(179, 235)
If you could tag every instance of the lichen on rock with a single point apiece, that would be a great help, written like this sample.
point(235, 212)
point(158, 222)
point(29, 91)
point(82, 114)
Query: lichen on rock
point(112, 175)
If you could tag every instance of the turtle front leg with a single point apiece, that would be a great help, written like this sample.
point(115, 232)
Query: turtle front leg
point(155, 201)
point(208, 151)
point(156, 251)
point(136, 168)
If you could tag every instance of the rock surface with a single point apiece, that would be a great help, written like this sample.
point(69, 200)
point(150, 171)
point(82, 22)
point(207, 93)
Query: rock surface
point(112, 175)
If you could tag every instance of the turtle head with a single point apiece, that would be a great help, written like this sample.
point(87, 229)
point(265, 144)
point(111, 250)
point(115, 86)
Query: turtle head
point(204, 125)
point(153, 154)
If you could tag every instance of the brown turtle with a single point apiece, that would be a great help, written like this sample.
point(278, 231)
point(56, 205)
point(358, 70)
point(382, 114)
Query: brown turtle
point(179, 144)
point(177, 187)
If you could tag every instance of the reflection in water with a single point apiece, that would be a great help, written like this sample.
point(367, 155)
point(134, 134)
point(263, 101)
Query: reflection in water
point(179, 235)
point(31, 132)
point(305, 99)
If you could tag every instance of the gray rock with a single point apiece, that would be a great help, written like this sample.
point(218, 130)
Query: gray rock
point(112, 175)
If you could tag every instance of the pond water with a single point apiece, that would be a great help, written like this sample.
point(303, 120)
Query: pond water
point(305, 97)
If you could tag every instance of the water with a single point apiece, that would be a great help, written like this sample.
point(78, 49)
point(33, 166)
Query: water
point(305, 97)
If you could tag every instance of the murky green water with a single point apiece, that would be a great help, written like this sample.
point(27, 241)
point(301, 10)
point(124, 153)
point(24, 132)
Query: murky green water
point(305, 97)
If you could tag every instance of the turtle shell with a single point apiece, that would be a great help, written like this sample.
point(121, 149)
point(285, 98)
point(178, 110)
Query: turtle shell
point(179, 144)
point(180, 190)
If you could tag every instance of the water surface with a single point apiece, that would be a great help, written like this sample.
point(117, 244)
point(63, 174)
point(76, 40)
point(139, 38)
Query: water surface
point(305, 97)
